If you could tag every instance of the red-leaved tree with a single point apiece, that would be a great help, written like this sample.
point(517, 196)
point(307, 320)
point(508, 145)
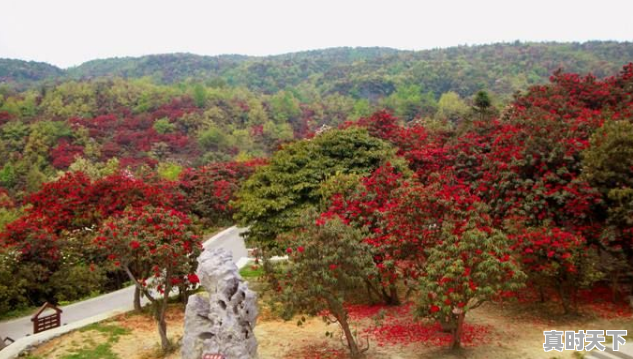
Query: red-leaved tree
point(159, 239)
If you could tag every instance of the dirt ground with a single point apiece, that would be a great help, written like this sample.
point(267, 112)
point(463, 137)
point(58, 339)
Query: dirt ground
point(492, 331)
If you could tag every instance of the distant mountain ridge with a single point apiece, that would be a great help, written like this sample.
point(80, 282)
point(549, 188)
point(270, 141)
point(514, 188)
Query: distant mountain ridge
point(363, 72)
point(22, 72)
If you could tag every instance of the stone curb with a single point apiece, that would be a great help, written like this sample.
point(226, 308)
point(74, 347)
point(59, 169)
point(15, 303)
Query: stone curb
point(25, 343)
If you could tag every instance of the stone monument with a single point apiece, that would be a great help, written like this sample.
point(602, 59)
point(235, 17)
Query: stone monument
point(220, 322)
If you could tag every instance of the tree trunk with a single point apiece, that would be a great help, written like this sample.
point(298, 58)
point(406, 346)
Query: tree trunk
point(371, 289)
point(269, 271)
point(541, 293)
point(446, 324)
point(390, 298)
point(457, 332)
point(161, 310)
point(183, 294)
point(615, 279)
point(564, 298)
point(137, 299)
point(395, 300)
point(165, 345)
point(351, 342)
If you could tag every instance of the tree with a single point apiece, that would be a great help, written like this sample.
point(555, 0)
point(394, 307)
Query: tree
point(408, 102)
point(272, 200)
point(210, 189)
point(65, 154)
point(481, 103)
point(425, 151)
point(328, 265)
point(285, 107)
point(8, 210)
point(8, 176)
point(451, 107)
point(94, 170)
point(164, 126)
point(199, 93)
point(160, 240)
point(169, 171)
point(256, 113)
point(465, 270)
point(608, 167)
point(368, 207)
point(214, 138)
point(75, 202)
point(52, 267)
point(558, 259)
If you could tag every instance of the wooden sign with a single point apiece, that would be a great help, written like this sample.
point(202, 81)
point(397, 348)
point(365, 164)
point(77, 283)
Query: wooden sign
point(47, 322)
point(213, 356)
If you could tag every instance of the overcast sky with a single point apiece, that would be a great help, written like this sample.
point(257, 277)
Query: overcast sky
point(67, 33)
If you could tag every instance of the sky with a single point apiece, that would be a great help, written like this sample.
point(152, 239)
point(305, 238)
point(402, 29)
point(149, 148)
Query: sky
point(69, 32)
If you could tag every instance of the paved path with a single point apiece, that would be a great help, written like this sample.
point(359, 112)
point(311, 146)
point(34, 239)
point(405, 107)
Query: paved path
point(122, 299)
point(625, 352)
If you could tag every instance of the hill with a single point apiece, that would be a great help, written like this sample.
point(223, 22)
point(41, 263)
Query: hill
point(20, 74)
point(360, 72)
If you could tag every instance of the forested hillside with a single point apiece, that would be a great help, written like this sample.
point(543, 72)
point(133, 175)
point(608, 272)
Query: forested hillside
point(358, 72)
point(180, 110)
point(20, 74)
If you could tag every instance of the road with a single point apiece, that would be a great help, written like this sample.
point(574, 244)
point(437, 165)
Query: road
point(626, 352)
point(228, 239)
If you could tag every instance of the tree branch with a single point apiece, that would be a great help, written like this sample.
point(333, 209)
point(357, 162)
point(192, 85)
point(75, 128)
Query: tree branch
point(138, 285)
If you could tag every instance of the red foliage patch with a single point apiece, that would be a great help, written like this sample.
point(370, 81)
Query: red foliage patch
point(363, 311)
point(600, 301)
point(399, 327)
point(407, 331)
point(318, 351)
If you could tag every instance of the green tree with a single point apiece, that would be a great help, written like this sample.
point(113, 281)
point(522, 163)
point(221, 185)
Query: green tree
point(608, 167)
point(214, 138)
point(451, 107)
point(164, 126)
point(15, 134)
point(8, 176)
point(94, 170)
point(11, 106)
point(406, 102)
point(284, 107)
point(256, 113)
point(34, 179)
point(273, 199)
point(482, 103)
point(328, 266)
point(463, 271)
point(281, 132)
point(8, 210)
point(169, 171)
point(199, 93)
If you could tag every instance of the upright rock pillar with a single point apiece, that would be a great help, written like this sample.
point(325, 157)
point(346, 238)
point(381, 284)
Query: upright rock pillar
point(222, 321)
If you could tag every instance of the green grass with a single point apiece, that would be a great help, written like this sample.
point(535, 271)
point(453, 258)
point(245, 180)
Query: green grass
point(93, 294)
point(113, 331)
point(17, 313)
point(22, 312)
point(90, 349)
point(249, 272)
point(101, 351)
